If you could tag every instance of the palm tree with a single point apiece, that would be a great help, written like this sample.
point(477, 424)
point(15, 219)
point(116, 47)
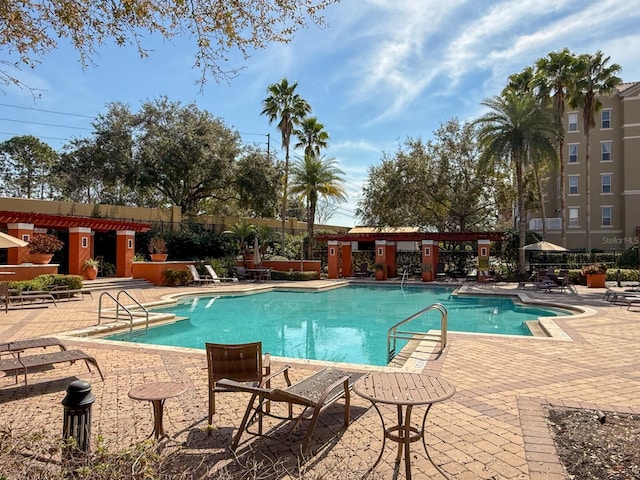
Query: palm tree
point(315, 177)
point(594, 77)
point(514, 130)
point(311, 136)
point(555, 76)
point(288, 108)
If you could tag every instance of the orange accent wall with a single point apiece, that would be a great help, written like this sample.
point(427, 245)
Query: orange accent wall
point(154, 271)
point(345, 253)
point(18, 255)
point(26, 271)
point(79, 248)
point(125, 250)
point(333, 265)
point(391, 260)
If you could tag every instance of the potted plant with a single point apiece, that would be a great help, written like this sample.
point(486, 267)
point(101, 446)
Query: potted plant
point(596, 275)
point(90, 269)
point(427, 275)
point(157, 249)
point(380, 270)
point(42, 247)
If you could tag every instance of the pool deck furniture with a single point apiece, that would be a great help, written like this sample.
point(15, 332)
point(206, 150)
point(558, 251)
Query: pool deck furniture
point(216, 278)
point(315, 394)
point(259, 274)
point(157, 393)
point(24, 363)
point(200, 279)
point(21, 345)
point(405, 391)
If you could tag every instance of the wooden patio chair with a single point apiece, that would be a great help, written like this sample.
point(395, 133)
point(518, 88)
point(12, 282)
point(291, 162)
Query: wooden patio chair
point(314, 394)
point(241, 362)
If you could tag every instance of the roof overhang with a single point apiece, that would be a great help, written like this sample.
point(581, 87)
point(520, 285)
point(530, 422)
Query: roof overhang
point(45, 220)
point(414, 236)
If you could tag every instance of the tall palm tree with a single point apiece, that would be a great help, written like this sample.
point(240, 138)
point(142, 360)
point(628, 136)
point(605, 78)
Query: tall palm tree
point(594, 77)
point(315, 177)
point(555, 76)
point(288, 109)
point(311, 136)
point(513, 131)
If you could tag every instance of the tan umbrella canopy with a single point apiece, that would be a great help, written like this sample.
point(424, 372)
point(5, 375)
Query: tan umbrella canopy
point(257, 259)
point(9, 241)
point(544, 246)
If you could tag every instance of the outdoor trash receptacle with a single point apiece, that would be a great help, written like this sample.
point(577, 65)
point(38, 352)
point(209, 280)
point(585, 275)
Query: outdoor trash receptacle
point(77, 414)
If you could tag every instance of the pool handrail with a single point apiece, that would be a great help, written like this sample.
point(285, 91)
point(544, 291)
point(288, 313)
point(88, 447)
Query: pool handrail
point(393, 334)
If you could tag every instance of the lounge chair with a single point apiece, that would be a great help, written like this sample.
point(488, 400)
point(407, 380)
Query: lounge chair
point(363, 271)
point(216, 278)
point(315, 393)
point(241, 362)
point(24, 363)
point(20, 345)
point(200, 279)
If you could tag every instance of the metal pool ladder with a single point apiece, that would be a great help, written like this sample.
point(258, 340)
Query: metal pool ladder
point(121, 310)
point(393, 334)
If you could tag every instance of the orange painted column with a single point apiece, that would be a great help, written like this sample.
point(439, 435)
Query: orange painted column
point(333, 265)
point(23, 231)
point(483, 260)
point(79, 248)
point(391, 259)
point(381, 256)
point(345, 252)
point(428, 263)
point(125, 250)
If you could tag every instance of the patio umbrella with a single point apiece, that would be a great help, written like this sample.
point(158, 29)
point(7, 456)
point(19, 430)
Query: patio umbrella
point(9, 241)
point(544, 246)
point(256, 252)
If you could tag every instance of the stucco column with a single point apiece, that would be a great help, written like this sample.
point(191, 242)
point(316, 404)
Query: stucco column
point(391, 259)
point(125, 250)
point(332, 262)
point(483, 254)
point(381, 256)
point(345, 252)
point(79, 248)
point(428, 262)
point(23, 231)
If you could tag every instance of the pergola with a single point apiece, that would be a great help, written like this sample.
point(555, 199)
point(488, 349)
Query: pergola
point(24, 225)
point(340, 247)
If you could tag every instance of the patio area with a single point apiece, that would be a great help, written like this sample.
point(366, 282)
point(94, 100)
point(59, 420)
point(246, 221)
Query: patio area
point(494, 427)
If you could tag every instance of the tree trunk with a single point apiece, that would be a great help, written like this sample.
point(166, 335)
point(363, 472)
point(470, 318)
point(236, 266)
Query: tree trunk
point(310, 226)
point(563, 194)
point(283, 211)
point(587, 189)
point(543, 211)
point(522, 231)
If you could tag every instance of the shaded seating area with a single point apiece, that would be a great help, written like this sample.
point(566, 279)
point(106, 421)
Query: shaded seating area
point(212, 273)
point(314, 395)
point(200, 279)
point(363, 270)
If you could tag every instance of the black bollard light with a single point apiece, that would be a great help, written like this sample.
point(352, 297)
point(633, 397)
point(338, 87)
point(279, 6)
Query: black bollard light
point(77, 414)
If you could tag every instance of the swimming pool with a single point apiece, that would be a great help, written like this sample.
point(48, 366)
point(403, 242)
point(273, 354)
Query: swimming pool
point(347, 324)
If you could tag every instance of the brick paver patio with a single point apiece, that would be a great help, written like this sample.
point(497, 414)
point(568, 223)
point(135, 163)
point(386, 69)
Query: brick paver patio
point(493, 428)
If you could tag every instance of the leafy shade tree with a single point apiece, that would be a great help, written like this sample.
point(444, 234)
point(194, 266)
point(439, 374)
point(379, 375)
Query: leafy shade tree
point(79, 174)
point(315, 177)
point(594, 77)
point(555, 76)
point(257, 183)
point(29, 29)
point(26, 167)
point(311, 136)
point(185, 153)
point(288, 109)
point(433, 185)
point(515, 129)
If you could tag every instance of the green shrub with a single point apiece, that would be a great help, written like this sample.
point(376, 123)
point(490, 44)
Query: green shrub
point(294, 276)
point(177, 278)
point(47, 281)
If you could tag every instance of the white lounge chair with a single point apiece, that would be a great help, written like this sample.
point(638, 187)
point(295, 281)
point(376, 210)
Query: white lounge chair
point(216, 278)
point(200, 279)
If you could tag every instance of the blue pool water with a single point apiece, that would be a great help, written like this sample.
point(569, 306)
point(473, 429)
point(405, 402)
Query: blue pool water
point(347, 324)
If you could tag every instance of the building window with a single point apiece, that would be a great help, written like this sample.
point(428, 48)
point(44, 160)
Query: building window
point(573, 184)
point(606, 183)
point(606, 216)
point(573, 153)
point(605, 119)
point(605, 147)
point(573, 216)
point(573, 122)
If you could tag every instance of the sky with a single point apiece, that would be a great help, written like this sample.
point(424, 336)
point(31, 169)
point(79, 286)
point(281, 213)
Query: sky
point(381, 71)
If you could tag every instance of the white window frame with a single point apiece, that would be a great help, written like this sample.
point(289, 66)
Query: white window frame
point(575, 220)
point(572, 126)
point(605, 152)
point(577, 178)
point(610, 217)
point(603, 184)
point(605, 123)
point(569, 154)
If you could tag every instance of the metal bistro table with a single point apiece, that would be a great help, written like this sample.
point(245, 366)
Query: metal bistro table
point(259, 274)
point(405, 390)
point(157, 393)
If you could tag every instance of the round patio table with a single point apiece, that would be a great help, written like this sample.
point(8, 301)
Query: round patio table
point(157, 393)
point(405, 390)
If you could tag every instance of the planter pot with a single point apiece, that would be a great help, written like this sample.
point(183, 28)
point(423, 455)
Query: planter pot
point(40, 258)
point(90, 273)
point(596, 280)
point(427, 276)
point(158, 257)
point(380, 275)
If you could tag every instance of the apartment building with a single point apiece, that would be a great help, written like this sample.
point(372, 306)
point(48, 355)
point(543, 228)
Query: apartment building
point(614, 174)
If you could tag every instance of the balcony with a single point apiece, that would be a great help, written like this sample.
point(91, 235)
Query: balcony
point(535, 224)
